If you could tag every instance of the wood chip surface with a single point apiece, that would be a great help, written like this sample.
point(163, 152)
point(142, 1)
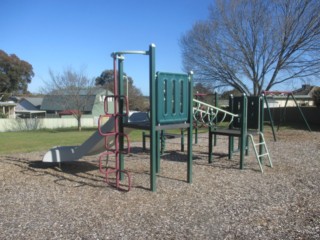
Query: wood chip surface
point(44, 201)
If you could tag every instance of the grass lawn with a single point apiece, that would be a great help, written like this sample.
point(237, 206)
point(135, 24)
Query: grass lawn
point(43, 140)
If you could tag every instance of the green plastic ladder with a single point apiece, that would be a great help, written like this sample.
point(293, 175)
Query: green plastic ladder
point(260, 154)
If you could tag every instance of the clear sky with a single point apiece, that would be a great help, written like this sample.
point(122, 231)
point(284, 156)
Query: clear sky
point(81, 34)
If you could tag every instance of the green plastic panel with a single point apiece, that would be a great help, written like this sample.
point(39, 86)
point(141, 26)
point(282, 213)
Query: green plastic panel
point(172, 97)
point(253, 110)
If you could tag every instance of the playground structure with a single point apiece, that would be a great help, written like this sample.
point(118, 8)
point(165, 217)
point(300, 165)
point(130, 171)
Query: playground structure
point(288, 94)
point(171, 107)
point(244, 121)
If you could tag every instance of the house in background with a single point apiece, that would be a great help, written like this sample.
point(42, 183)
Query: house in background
point(63, 105)
point(33, 103)
point(305, 94)
point(302, 95)
point(7, 109)
point(29, 107)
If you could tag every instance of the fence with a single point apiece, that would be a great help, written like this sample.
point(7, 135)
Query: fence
point(312, 115)
point(292, 115)
point(7, 125)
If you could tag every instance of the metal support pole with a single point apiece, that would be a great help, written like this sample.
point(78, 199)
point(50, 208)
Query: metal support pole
point(153, 140)
point(120, 118)
point(196, 127)
point(210, 145)
point(216, 119)
point(301, 113)
point(182, 140)
point(190, 129)
point(261, 125)
point(162, 142)
point(270, 117)
point(244, 113)
point(158, 150)
point(231, 138)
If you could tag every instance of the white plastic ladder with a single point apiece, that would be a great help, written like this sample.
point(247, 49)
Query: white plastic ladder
point(265, 152)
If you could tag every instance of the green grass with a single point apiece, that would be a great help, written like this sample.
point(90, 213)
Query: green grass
point(31, 141)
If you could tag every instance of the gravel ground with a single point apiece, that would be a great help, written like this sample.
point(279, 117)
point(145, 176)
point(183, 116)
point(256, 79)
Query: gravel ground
point(39, 201)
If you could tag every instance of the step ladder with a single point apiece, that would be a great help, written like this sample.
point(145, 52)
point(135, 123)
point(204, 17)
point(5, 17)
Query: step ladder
point(264, 153)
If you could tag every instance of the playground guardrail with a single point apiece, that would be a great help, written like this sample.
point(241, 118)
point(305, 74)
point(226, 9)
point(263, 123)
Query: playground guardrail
point(208, 114)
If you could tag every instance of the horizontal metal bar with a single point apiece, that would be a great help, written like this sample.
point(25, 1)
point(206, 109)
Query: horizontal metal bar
point(129, 52)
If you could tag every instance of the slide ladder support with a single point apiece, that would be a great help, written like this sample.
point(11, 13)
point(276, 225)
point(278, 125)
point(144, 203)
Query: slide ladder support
point(118, 133)
point(263, 150)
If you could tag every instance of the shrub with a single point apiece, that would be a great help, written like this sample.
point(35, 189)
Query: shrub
point(316, 96)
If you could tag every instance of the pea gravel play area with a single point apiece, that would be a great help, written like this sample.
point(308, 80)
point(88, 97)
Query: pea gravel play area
point(72, 201)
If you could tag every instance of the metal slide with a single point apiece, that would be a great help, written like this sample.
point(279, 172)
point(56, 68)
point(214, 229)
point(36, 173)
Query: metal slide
point(93, 145)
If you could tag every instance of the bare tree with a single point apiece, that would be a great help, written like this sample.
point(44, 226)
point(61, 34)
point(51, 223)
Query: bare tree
point(253, 45)
point(72, 91)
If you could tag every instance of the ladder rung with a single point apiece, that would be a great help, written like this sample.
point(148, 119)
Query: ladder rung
point(265, 154)
point(256, 152)
point(262, 143)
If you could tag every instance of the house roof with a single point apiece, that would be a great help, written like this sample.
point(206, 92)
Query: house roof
point(29, 103)
point(82, 92)
point(35, 101)
point(68, 101)
point(306, 89)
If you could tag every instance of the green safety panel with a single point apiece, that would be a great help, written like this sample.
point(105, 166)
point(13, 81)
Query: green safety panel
point(172, 97)
point(253, 111)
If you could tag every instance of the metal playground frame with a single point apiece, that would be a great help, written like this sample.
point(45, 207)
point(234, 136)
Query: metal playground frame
point(170, 108)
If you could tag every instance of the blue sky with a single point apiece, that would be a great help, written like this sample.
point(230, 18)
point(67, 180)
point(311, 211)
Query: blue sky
point(58, 34)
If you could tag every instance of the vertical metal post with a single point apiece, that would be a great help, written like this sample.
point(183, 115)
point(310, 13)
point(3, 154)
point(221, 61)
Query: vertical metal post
point(196, 127)
point(210, 145)
point(216, 119)
point(182, 140)
point(231, 138)
point(158, 149)
point(261, 125)
point(301, 113)
point(120, 118)
point(190, 129)
point(270, 117)
point(153, 140)
point(243, 129)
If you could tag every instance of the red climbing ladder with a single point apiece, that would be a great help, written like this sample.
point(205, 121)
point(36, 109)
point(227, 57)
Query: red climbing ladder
point(114, 148)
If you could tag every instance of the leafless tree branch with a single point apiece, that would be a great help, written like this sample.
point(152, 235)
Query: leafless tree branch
point(253, 45)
